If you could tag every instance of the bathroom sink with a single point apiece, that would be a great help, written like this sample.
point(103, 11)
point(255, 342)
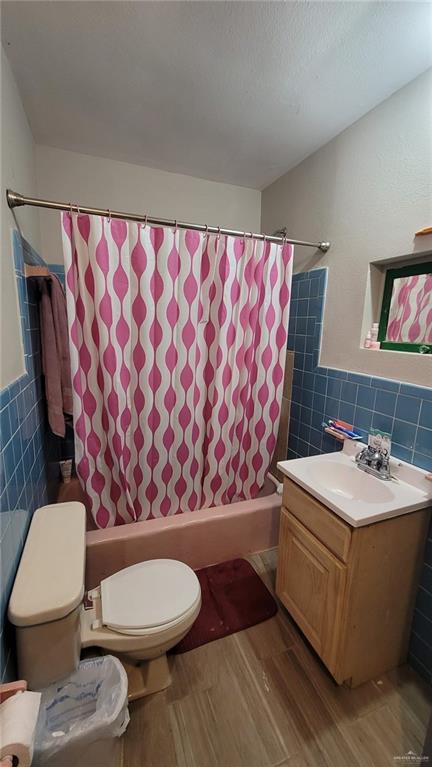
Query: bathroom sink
point(349, 482)
point(360, 498)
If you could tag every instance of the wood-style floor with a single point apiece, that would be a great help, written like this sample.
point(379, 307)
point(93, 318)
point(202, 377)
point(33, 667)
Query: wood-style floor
point(261, 698)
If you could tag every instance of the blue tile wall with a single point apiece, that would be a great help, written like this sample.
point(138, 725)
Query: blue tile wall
point(402, 409)
point(22, 460)
point(319, 393)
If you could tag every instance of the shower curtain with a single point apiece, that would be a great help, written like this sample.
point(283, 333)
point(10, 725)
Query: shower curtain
point(177, 353)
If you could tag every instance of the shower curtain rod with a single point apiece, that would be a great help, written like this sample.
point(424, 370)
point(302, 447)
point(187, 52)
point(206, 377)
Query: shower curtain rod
point(15, 200)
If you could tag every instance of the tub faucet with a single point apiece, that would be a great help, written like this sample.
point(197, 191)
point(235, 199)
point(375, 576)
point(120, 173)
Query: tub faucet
point(374, 461)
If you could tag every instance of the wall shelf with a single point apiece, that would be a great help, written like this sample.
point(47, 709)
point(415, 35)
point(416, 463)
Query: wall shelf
point(339, 435)
point(336, 434)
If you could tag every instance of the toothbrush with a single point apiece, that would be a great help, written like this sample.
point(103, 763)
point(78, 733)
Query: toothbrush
point(347, 427)
point(344, 430)
point(333, 425)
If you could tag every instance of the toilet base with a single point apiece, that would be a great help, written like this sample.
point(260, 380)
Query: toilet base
point(147, 676)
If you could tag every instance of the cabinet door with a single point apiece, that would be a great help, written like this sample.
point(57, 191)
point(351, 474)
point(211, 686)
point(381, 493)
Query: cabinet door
point(311, 584)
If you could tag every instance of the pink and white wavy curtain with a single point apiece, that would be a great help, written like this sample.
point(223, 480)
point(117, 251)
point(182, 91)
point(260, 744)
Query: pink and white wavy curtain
point(177, 351)
point(410, 315)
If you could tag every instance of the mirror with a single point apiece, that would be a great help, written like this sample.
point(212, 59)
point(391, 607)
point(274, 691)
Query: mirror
point(410, 312)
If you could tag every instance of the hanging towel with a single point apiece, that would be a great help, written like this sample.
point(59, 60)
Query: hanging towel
point(55, 353)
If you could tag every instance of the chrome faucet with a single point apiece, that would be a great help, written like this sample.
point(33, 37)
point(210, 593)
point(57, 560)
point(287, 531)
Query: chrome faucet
point(374, 461)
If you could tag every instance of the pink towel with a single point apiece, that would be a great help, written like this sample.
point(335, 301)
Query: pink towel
point(55, 353)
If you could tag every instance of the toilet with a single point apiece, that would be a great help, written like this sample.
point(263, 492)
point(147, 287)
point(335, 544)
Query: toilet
point(138, 613)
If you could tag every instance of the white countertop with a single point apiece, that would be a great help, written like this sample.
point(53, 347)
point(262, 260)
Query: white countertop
point(355, 496)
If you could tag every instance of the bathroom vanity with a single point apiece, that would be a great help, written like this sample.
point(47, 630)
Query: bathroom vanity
point(350, 551)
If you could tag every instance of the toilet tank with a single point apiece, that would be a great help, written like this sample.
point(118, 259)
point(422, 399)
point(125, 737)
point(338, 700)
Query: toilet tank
point(47, 594)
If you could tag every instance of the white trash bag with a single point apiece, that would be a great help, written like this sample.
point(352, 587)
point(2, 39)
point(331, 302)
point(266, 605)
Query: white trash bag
point(82, 717)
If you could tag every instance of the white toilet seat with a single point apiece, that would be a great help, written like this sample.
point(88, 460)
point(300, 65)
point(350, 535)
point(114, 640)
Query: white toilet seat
point(149, 597)
point(158, 630)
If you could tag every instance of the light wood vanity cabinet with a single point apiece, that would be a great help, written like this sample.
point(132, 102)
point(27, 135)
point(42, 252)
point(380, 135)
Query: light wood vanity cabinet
point(350, 590)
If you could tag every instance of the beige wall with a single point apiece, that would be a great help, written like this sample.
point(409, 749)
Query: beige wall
point(367, 191)
point(121, 186)
point(17, 172)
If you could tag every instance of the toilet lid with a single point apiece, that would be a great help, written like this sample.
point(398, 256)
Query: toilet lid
point(148, 594)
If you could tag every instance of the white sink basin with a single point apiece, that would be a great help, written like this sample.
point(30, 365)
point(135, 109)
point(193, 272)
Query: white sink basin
point(349, 482)
point(354, 495)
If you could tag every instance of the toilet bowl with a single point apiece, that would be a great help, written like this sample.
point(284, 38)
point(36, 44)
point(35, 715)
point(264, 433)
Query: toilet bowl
point(138, 613)
point(141, 629)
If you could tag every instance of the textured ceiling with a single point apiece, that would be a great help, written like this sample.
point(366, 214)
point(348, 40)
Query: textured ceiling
point(237, 92)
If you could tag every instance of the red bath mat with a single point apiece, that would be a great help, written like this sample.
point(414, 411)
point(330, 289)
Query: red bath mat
point(233, 598)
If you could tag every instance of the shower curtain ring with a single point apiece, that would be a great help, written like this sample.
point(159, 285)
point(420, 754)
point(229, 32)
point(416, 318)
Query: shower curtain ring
point(143, 226)
point(109, 216)
point(218, 234)
point(206, 232)
point(175, 226)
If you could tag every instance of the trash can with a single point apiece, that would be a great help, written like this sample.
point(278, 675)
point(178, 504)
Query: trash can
point(82, 717)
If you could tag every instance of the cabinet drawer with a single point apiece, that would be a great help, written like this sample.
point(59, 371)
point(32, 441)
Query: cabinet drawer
point(311, 584)
point(325, 525)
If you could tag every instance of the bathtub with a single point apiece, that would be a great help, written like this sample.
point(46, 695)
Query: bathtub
point(198, 538)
